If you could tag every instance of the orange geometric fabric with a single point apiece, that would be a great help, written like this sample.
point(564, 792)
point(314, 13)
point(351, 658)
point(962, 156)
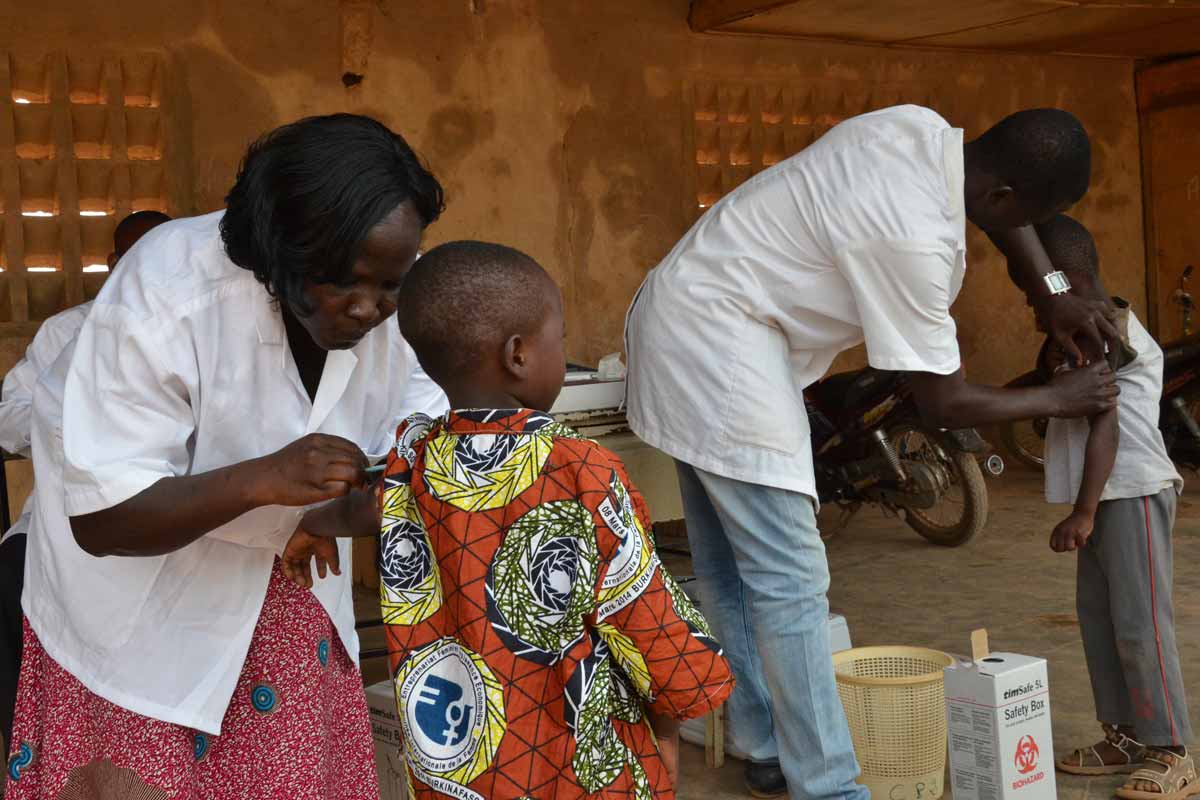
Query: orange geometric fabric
point(529, 622)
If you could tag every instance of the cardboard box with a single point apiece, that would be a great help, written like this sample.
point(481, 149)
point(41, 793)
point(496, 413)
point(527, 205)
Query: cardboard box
point(998, 720)
point(385, 726)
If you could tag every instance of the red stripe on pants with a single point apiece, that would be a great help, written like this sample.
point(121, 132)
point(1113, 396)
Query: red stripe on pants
point(1162, 669)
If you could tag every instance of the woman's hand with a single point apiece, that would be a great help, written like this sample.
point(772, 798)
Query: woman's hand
point(315, 468)
point(299, 553)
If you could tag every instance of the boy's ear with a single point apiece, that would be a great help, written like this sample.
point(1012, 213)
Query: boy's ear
point(516, 357)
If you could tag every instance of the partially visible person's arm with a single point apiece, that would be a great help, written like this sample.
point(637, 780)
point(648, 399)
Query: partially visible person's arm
point(948, 401)
point(1067, 317)
point(1099, 457)
point(16, 398)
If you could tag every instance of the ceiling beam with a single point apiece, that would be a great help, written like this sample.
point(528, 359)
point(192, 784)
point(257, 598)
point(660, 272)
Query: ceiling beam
point(708, 14)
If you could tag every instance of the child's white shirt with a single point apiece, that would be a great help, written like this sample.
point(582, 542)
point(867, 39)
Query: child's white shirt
point(1142, 467)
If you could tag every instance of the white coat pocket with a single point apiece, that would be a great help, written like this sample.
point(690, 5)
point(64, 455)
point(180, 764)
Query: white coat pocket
point(764, 411)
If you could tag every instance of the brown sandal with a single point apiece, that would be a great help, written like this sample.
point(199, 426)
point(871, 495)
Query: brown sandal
point(1176, 780)
point(1087, 761)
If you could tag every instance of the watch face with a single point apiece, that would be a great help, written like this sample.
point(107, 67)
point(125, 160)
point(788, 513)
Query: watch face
point(1057, 283)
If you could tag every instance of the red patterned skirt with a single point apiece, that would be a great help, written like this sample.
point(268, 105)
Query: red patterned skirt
point(297, 726)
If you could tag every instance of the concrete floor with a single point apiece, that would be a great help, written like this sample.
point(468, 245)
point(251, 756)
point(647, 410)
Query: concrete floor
point(894, 588)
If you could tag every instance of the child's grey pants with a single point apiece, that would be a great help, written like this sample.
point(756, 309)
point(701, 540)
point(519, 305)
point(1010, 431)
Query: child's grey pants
point(1123, 597)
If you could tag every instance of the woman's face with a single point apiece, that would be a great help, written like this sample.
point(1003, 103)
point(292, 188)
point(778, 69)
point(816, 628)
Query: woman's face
point(344, 312)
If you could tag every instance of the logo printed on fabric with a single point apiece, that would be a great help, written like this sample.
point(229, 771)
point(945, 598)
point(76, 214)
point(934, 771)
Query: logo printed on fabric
point(441, 712)
point(441, 699)
point(632, 566)
point(451, 711)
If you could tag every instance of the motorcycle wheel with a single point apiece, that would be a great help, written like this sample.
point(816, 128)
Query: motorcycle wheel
point(1026, 441)
point(961, 513)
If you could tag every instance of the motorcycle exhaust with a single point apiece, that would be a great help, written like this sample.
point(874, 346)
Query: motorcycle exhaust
point(889, 454)
point(994, 464)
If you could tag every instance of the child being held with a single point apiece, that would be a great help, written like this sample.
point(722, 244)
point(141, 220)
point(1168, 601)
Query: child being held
point(537, 645)
point(1116, 471)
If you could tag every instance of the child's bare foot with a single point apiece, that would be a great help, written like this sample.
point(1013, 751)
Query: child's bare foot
point(1169, 774)
point(1118, 752)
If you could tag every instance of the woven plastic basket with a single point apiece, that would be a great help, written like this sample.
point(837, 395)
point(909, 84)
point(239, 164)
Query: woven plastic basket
point(895, 702)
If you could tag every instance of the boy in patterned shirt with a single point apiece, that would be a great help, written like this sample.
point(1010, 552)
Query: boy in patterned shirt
point(538, 648)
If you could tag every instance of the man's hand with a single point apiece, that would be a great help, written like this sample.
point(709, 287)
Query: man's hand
point(1085, 392)
point(298, 556)
point(1070, 319)
point(1073, 532)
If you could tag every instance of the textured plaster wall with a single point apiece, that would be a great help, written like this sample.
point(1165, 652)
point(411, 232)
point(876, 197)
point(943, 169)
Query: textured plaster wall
point(558, 126)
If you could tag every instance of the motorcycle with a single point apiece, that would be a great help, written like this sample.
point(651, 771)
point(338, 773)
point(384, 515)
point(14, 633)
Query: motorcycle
point(870, 446)
point(1177, 413)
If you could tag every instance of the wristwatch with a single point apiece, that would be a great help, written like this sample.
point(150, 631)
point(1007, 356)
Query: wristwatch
point(1057, 282)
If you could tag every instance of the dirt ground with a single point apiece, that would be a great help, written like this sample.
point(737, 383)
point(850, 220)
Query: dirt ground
point(895, 589)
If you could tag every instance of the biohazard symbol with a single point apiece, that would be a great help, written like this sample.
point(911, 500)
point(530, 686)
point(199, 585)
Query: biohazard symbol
point(1027, 755)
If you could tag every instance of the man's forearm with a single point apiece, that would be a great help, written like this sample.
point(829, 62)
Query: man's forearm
point(972, 404)
point(1098, 460)
point(1027, 259)
point(948, 401)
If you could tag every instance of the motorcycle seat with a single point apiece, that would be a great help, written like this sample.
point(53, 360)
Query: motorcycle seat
point(848, 391)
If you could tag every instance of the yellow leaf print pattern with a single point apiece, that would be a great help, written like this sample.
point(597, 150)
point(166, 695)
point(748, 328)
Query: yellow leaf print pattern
point(631, 660)
point(410, 586)
point(480, 473)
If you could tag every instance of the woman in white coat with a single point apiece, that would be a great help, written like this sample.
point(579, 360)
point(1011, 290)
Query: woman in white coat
point(239, 367)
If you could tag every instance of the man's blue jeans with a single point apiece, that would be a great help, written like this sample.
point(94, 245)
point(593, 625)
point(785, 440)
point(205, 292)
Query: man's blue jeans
point(762, 576)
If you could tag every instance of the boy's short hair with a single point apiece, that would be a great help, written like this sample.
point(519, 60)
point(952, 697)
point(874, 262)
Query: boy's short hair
point(1069, 245)
point(1042, 153)
point(463, 299)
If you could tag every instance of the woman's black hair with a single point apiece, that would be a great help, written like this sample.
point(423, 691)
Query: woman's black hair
point(308, 193)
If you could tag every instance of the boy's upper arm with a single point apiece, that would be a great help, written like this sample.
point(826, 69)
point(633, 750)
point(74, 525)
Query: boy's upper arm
point(649, 626)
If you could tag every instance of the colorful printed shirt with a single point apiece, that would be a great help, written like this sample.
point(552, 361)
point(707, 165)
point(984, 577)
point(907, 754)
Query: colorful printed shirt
point(529, 622)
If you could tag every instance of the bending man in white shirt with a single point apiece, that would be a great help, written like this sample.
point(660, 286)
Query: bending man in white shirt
point(51, 338)
point(862, 236)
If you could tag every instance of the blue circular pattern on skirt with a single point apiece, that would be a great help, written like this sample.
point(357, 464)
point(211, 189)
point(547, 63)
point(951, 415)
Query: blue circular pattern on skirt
point(323, 652)
point(20, 761)
point(263, 698)
point(200, 746)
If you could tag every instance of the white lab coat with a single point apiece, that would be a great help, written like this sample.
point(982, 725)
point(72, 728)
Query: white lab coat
point(182, 367)
point(861, 236)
